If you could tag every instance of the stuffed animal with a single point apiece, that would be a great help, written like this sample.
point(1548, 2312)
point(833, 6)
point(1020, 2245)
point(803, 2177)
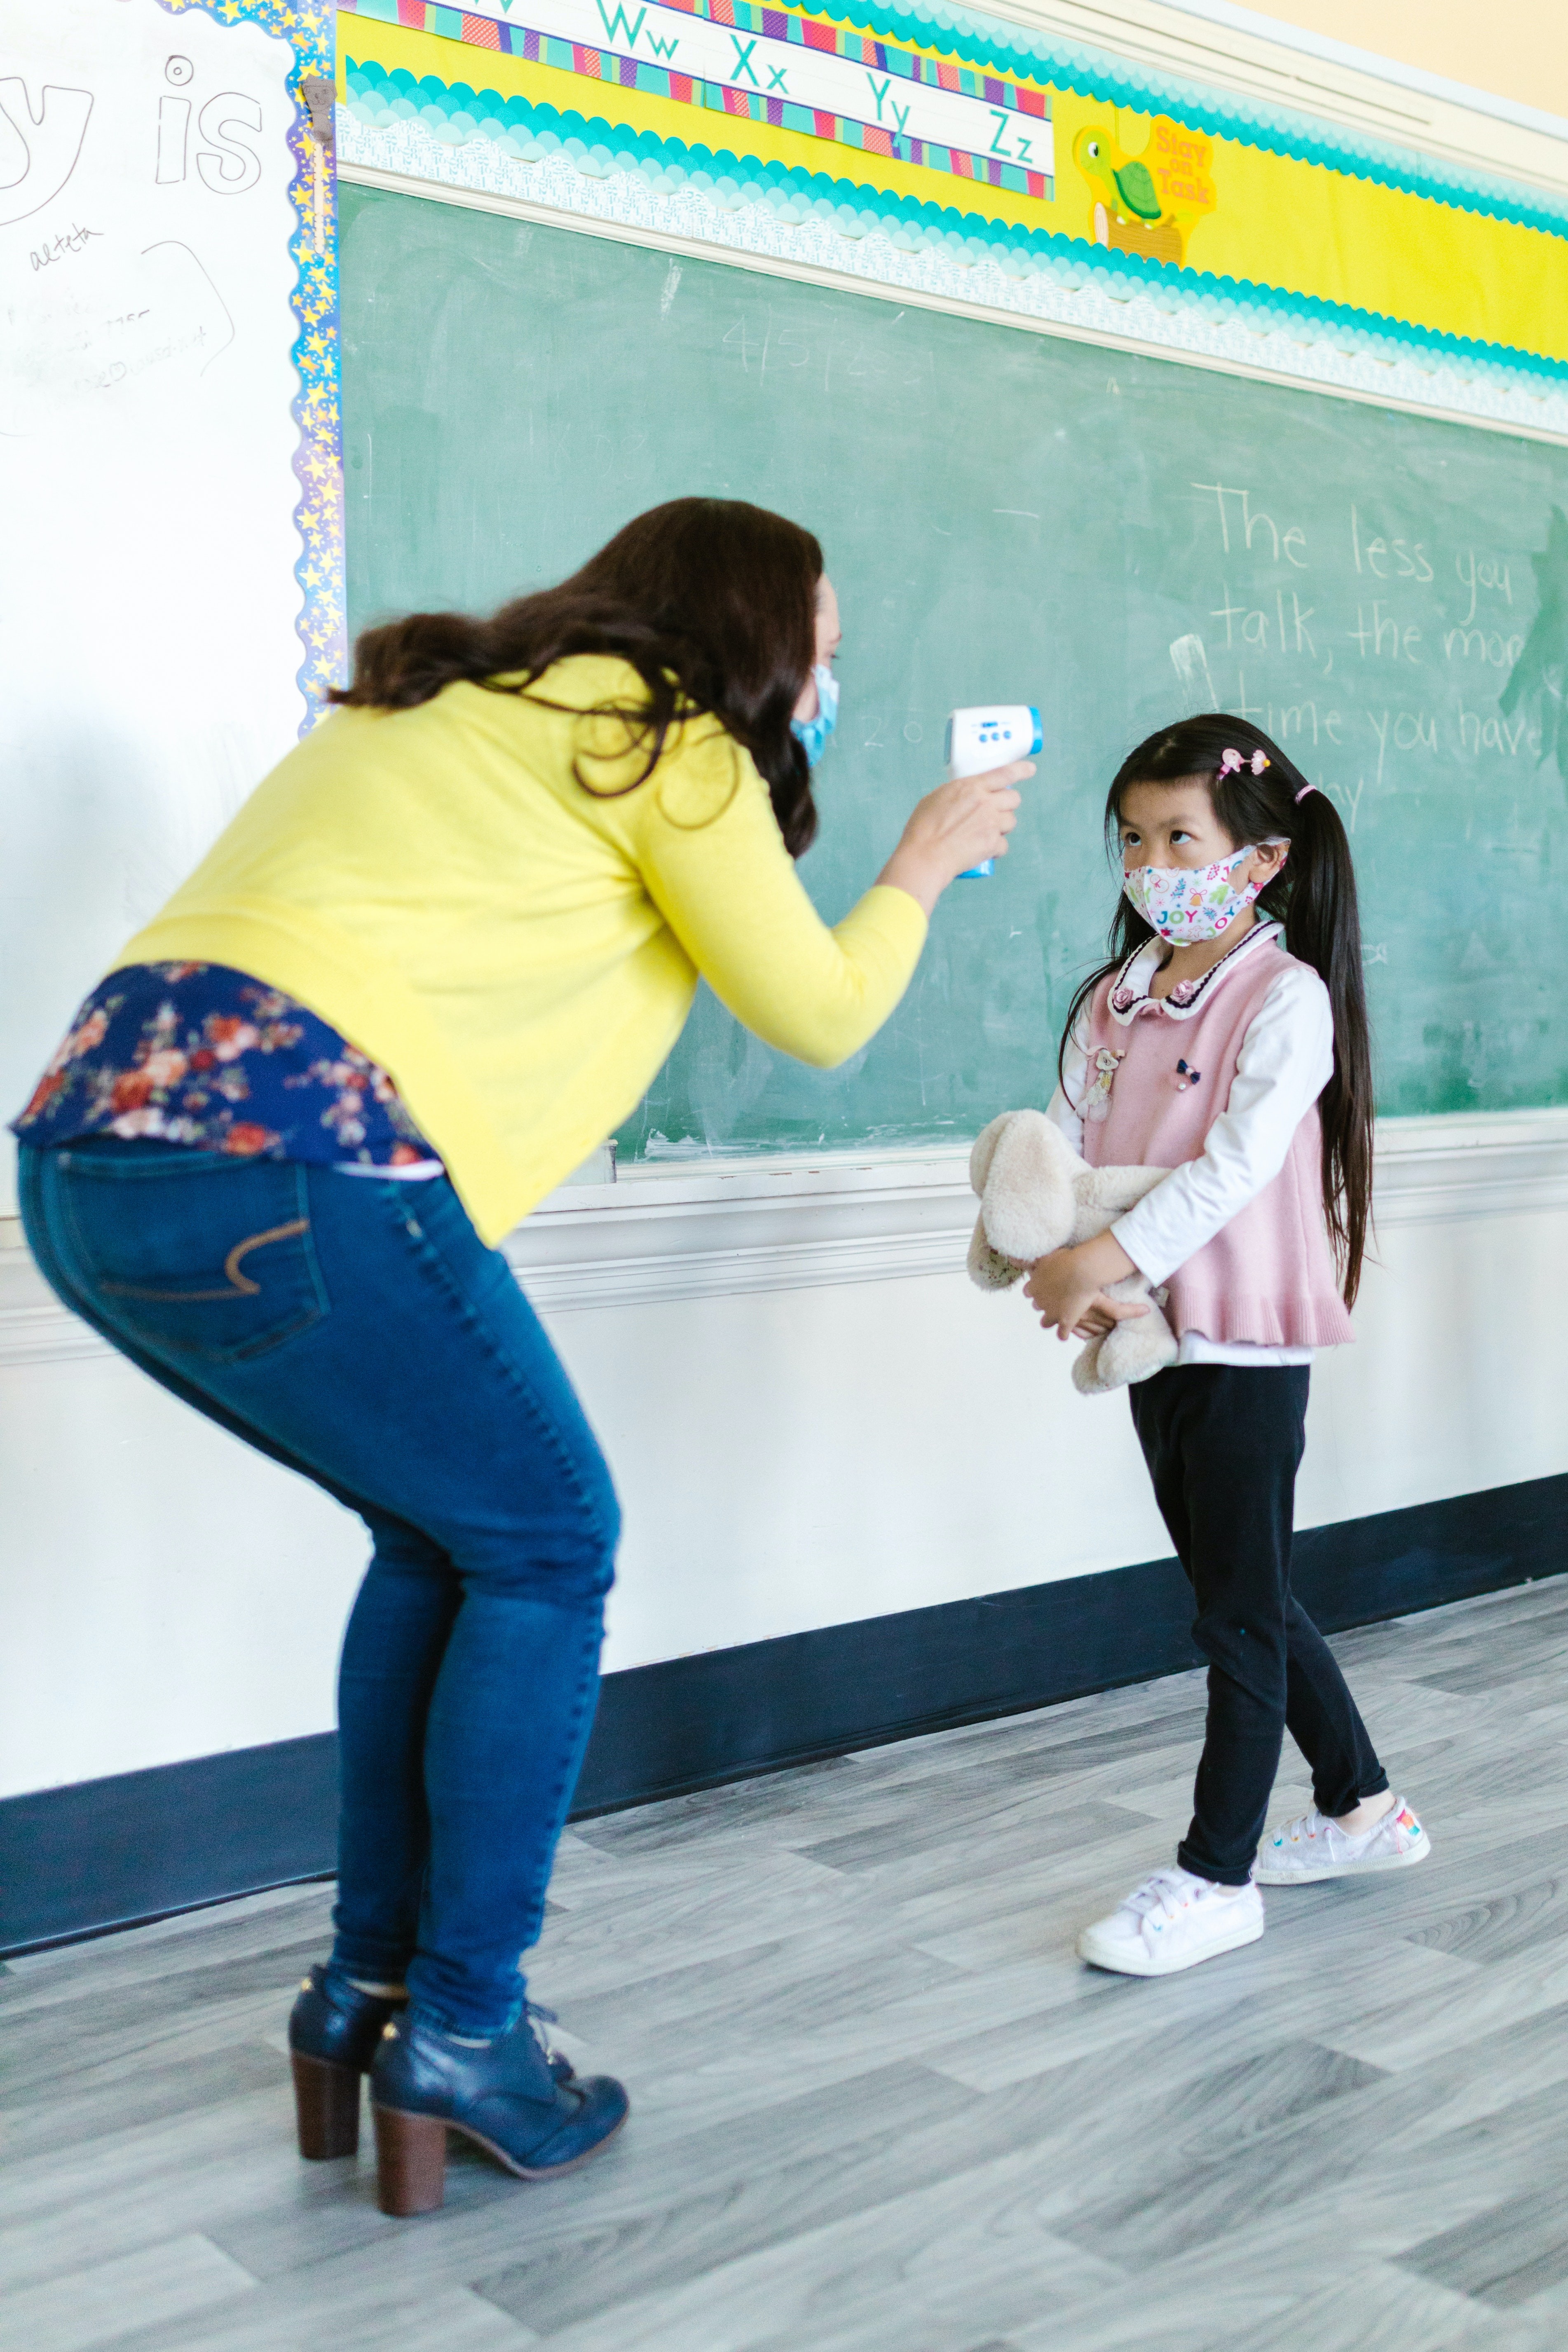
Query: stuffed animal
point(1037, 1195)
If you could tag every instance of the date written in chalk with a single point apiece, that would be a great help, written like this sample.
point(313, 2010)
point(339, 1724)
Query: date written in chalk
point(62, 248)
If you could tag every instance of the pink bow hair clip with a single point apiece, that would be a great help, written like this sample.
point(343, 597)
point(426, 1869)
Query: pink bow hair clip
point(1231, 764)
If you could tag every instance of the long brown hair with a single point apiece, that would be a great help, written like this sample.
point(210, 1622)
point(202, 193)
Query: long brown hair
point(1313, 895)
point(711, 601)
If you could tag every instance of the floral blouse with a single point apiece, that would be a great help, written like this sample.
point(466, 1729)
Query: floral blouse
point(196, 1053)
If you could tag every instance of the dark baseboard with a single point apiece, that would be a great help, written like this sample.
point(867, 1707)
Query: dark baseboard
point(79, 1860)
point(102, 1854)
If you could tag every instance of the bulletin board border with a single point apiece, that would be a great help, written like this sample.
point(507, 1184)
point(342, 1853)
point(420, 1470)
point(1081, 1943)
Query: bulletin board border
point(310, 27)
point(842, 240)
point(1231, 247)
point(989, 44)
point(1253, 122)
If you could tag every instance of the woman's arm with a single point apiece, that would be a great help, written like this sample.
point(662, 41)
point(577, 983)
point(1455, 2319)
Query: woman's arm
point(716, 866)
point(945, 834)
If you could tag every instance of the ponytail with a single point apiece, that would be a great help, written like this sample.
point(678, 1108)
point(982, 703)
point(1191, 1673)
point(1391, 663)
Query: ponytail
point(1314, 896)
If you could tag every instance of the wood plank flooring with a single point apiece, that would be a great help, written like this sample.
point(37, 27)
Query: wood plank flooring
point(878, 2105)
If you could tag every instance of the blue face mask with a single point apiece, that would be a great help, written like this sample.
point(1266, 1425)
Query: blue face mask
point(812, 733)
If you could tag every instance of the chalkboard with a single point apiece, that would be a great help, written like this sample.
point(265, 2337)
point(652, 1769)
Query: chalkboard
point(1009, 516)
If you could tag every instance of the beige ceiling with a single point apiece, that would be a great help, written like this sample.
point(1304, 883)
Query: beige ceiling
point(1517, 49)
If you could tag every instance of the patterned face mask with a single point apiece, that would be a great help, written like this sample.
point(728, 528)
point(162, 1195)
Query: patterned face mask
point(814, 733)
point(1189, 904)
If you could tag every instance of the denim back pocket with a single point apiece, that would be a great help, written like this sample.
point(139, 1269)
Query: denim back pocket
point(211, 1258)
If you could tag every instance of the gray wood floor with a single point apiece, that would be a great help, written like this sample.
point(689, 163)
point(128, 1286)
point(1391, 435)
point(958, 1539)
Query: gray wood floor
point(876, 2102)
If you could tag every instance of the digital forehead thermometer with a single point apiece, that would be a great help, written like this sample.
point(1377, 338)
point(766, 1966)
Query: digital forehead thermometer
point(988, 737)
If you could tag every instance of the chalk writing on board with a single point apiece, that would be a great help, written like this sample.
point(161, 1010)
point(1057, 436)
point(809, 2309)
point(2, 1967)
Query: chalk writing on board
point(1538, 683)
point(1256, 625)
point(1496, 733)
point(1375, 555)
point(39, 145)
point(1191, 664)
point(1483, 645)
point(1240, 517)
point(1382, 637)
point(1303, 719)
point(1486, 574)
point(1413, 730)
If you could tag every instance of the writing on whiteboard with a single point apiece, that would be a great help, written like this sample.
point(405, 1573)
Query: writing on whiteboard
point(143, 310)
point(57, 248)
point(39, 145)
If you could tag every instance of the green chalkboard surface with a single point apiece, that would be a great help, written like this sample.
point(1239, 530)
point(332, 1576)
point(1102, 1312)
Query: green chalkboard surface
point(1009, 517)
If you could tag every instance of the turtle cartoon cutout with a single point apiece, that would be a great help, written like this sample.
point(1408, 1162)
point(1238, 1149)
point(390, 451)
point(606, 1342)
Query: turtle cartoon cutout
point(1150, 202)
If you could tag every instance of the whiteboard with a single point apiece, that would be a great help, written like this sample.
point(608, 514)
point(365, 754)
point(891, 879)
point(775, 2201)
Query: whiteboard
point(170, 597)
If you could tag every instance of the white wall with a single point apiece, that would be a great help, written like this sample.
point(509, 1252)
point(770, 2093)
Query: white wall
point(810, 1415)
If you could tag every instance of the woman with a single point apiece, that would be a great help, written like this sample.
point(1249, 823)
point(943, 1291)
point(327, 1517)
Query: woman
point(499, 871)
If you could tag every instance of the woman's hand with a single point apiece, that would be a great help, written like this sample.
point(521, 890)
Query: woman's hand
point(957, 826)
point(1068, 1288)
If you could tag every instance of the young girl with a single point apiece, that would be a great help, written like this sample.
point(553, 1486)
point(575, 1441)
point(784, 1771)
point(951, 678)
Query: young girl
point(1227, 1039)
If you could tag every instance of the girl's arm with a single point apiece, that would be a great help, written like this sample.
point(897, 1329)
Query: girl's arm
point(1287, 1059)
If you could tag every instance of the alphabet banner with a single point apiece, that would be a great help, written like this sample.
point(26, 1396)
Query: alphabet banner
point(966, 156)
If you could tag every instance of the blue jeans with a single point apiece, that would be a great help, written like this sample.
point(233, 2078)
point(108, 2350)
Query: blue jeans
point(360, 1332)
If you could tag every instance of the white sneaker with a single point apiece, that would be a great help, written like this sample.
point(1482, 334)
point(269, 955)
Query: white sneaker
point(1316, 1847)
point(1172, 1921)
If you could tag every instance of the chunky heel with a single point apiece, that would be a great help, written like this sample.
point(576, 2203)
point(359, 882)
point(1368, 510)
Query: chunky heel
point(410, 2162)
point(326, 2108)
point(334, 2032)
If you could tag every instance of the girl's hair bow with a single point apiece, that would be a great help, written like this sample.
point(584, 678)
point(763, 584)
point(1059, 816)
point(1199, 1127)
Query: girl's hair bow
point(1231, 764)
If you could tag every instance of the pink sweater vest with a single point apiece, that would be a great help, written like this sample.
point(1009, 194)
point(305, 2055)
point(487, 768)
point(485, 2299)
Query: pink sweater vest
point(1267, 1276)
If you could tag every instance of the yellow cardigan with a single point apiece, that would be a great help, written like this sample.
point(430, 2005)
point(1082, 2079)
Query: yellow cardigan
point(520, 953)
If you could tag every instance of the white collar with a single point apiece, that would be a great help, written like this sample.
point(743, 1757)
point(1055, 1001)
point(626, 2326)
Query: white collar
point(1136, 977)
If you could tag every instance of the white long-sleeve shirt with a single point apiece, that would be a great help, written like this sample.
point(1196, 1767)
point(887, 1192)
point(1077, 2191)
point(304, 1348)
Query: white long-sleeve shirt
point(1287, 1059)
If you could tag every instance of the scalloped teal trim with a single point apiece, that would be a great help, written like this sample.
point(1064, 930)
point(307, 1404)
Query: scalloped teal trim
point(1092, 73)
point(456, 114)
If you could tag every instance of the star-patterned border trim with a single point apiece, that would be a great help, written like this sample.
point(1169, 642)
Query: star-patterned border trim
point(309, 27)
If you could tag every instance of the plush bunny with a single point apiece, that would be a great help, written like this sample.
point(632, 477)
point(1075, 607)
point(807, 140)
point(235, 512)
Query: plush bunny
point(1037, 1195)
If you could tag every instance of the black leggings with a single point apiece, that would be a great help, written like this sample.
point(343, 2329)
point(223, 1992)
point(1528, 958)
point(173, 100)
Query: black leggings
point(1223, 1444)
